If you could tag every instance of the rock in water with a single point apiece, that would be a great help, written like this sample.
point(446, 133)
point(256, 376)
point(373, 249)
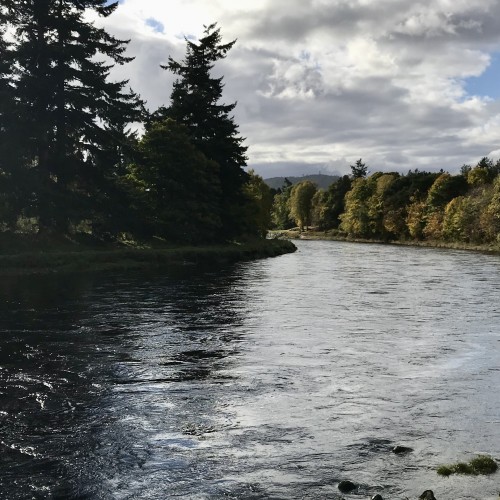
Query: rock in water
point(377, 497)
point(399, 450)
point(427, 495)
point(346, 486)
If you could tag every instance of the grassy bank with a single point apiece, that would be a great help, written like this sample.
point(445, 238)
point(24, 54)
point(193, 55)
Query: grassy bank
point(23, 255)
point(337, 236)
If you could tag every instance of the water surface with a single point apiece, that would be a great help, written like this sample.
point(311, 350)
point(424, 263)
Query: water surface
point(272, 379)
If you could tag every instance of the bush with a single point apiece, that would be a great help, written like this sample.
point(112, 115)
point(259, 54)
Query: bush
point(482, 464)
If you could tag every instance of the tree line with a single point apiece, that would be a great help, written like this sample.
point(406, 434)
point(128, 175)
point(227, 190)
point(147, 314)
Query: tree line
point(392, 206)
point(70, 162)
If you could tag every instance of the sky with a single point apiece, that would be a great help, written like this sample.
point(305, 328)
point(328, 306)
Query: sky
point(402, 84)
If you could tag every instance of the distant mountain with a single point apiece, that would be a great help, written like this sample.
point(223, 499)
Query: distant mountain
point(321, 180)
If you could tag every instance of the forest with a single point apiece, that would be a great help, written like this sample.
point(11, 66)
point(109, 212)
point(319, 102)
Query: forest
point(71, 161)
point(388, 206)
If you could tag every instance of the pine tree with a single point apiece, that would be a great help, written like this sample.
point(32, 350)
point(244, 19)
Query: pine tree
point(10, 138)
point(359, 169)
point(6, 95)
point(178, 185)
point(110, 207)
point(67, 98)
point(195, 103)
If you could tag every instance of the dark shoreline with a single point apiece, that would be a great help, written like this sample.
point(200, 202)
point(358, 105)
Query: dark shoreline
point(49, 261)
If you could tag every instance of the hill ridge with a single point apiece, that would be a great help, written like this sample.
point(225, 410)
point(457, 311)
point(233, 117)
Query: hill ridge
point(322, 180)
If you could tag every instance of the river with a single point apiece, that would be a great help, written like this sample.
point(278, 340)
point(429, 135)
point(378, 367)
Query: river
point(272, 379)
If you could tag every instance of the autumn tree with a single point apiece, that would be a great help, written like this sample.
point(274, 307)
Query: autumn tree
point(444, 189)
point(260, 201)
point(280, 211)
point(416, 218)
point(356, 218)
point(378, 205)
point(301, 197)
point(319, 209)
point(490, 215)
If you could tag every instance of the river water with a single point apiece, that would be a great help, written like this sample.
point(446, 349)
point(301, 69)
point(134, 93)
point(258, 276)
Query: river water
point(272, 379)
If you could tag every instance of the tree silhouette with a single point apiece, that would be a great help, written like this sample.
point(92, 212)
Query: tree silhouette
point(195, 103)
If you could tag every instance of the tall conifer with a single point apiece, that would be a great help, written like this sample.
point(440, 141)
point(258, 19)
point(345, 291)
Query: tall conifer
point(195, 103)
point(62, 66)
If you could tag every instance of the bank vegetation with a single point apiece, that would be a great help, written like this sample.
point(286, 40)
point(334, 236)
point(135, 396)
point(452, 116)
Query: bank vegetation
point(418, 208)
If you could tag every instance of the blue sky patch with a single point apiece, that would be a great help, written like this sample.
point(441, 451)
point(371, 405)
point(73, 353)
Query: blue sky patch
point(488, 84)
point(156, 25)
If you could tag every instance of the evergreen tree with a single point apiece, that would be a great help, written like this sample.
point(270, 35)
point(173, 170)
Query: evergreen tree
point(111, 205)
point(335, 201)
point(195, 103)
point(13, 181)
point(6, 95)
point(5, 100)
point(176, 185)
point(359, 169)
point(66, 98)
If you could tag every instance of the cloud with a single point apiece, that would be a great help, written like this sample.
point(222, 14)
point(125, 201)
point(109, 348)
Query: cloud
point(326, 82)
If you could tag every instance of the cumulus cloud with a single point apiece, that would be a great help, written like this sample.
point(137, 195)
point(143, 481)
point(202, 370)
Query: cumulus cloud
point(325, 82)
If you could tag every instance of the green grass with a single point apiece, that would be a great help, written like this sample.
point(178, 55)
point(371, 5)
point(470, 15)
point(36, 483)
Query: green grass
point(481, 465)
point(49, 255)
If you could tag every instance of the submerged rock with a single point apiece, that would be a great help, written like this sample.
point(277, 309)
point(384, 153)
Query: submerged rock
point(427, 495)
point(377, 497)
point(399, 450)
point(346, 486)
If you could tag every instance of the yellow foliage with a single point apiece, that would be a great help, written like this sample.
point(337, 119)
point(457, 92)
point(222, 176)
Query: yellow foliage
point(433, 229)
point(478, 176)
point(490, 216)
point(415, 220)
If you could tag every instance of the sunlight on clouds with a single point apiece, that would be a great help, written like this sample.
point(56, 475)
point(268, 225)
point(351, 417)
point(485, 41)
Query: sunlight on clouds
point(366, 58)
point(187, 17)
point(485, 135)
point(330, 79)
point(296, 79)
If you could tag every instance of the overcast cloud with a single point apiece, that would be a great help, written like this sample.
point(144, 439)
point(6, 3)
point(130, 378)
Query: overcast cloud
point(321, 83)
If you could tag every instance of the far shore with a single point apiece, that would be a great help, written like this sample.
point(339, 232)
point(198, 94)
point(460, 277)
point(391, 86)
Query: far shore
point(333, 235)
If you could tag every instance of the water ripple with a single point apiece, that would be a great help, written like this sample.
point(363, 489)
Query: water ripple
point(264, 380)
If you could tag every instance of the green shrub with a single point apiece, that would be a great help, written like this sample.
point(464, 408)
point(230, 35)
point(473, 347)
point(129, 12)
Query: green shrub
point(482, 464)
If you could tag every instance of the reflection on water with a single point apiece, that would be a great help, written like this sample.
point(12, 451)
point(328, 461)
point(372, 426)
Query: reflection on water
point(264, 380)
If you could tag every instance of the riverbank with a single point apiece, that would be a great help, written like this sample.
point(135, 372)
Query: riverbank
point(332, 235)
point(32, 256)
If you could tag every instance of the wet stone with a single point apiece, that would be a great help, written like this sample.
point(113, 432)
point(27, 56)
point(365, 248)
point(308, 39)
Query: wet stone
point(346, 486)
point(400, 450)
point(377, 497)
point(427, 495)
